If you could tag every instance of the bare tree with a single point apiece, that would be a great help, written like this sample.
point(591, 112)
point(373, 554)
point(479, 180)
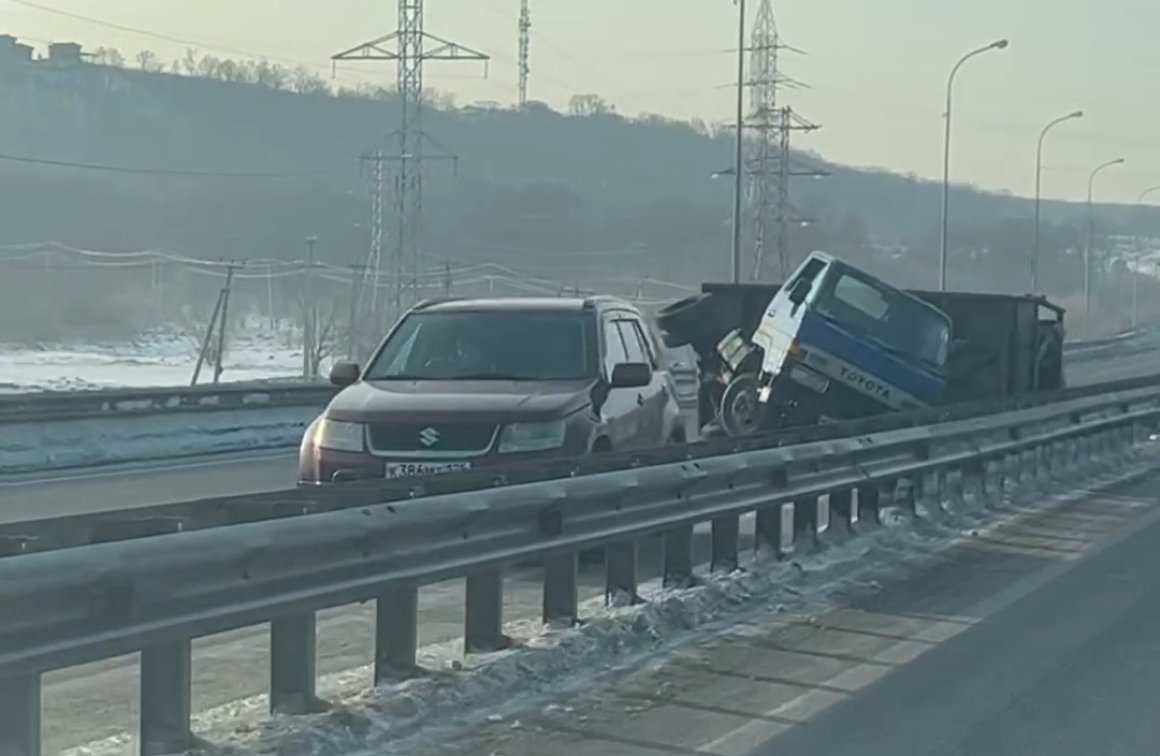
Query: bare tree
point(305, 81)
point(589, 105)
point(271, 75)
point(108, 56)
point(148, 61)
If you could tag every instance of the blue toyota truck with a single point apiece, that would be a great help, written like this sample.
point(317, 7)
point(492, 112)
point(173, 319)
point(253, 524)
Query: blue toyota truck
point(835, 342)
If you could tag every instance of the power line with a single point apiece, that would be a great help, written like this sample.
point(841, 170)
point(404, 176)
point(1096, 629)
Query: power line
point(153, 34)
point(146, 171)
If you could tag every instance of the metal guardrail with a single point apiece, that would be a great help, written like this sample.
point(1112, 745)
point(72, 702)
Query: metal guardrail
point(71, 531)
point(68, 405)
point(154, 595)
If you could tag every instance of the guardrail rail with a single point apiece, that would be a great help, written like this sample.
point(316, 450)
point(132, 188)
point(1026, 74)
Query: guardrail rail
point(154, 595)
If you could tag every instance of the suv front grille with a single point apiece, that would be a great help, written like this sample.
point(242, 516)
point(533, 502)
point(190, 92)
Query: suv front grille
point(436, 438)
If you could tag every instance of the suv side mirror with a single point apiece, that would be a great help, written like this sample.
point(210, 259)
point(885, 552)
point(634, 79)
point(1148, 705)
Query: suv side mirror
point(631, 375)
point(343, 374)
point(800, 291)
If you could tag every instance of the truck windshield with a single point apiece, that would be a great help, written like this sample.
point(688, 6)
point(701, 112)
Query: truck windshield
point(496, 345)
point(893, 320)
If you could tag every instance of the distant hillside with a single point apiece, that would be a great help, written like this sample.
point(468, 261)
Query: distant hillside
point(580, 199)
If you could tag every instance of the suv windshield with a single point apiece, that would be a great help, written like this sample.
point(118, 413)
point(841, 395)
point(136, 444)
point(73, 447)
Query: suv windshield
point(529, 346)
point(892, 319)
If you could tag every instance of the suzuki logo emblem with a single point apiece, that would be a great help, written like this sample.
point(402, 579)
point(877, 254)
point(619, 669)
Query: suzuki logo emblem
point(428, 437)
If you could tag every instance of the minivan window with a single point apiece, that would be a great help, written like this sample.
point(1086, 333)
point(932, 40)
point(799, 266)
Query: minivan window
point(500, 345)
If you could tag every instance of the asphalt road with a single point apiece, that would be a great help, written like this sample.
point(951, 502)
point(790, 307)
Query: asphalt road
point(1038, 637)
point(53, 494)
point(1072, 669)
point(1110, 369)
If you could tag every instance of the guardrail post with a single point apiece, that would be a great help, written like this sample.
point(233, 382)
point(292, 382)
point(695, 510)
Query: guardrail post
point(165, 699)
point(805, 522)
point(20, 716)
point(293, 660)
point(842, 514)
point(561, 600)
point(768, 526)
point(483, 620)
point(866, 506)
point(723, 550)
point(966, 487)
point(927, 495)
point(396, 634)
point(620, 570)
point(678, 566)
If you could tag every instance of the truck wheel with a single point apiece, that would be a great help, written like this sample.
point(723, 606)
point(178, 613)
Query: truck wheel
point(740, 412)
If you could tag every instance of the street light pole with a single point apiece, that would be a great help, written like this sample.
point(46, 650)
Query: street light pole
point(1038, 184)
point(1136, 270)
point(1087, 252)
point(738, 167)
point(942, 258)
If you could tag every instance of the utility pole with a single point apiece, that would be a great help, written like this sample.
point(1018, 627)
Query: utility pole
point(308, 312)
point(270, 300)
point(738, 166)
point(409, 46)
point(447, 278)
point(207, 338)
point(222, 319)
point(525, 27)
point(352, 318)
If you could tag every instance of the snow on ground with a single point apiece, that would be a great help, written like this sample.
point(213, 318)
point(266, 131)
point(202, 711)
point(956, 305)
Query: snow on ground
point(155, 360)
point(402, 718)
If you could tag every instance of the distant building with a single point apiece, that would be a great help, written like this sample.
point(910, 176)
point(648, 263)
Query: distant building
point(13, 52)
point(64, 54)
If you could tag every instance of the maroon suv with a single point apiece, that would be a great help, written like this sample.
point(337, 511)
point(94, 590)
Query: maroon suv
point(472, 382)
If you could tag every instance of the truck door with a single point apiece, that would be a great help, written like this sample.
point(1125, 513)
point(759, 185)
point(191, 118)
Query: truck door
point(783, 316)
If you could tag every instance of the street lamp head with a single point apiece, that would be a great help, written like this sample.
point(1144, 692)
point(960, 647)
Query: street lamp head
point(1076, 114)
point(1001, 44)
point(1118, 161)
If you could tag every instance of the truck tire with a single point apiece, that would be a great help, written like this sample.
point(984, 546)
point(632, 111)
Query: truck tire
point(740, 413)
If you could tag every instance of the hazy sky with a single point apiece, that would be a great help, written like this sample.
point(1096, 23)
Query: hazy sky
point(876, 70)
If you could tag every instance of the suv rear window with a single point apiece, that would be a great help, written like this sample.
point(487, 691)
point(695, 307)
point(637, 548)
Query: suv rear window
point(499, 345)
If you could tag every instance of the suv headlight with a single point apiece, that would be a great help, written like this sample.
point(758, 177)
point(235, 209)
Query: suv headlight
point(528, 437)
point(339, 435)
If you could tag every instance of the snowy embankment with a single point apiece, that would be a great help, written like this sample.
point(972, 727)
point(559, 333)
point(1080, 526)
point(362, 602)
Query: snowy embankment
point(39, 445)
point(149, 362)
point(545, 663)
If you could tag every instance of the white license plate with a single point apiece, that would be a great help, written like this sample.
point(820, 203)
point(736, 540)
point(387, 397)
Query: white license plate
point(412, 469)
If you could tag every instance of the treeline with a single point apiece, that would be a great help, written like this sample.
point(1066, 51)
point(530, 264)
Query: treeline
point(300, 79)
point(586, 198)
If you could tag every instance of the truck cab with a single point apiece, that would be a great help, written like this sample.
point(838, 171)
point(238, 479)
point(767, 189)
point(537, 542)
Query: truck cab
point(838, 343)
